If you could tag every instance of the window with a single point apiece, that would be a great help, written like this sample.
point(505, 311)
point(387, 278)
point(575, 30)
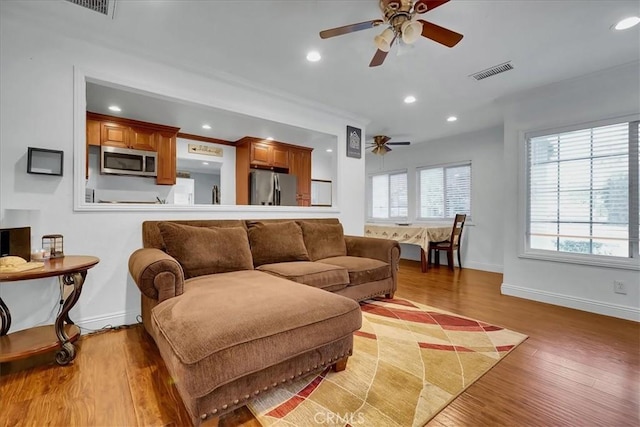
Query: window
point(583, 191)
point(444, 191)
point(389, 195)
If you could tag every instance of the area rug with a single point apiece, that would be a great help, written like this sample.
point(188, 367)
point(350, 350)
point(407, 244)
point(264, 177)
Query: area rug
point(409, 362)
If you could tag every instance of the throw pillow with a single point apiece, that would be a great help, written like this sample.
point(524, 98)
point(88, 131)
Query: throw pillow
point(207, 250)
point(323, 240)
point(276, 242)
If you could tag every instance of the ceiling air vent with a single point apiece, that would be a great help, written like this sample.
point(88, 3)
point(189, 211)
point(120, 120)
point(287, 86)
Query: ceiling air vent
point(500, 68)
point(101, 6)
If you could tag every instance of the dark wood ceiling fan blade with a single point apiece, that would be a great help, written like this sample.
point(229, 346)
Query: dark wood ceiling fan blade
point(399, 143)
point(325, 34)
point(378, 58)
point(380, 55)
point(440, 34)
point(432, 4)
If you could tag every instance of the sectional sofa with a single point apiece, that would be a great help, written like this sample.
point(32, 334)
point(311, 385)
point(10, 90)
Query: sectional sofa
point(238, 307)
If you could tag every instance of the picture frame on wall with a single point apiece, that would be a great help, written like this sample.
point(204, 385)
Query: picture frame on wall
point(354, 142)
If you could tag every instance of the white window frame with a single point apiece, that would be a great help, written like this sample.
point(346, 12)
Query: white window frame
point(631, 263)
point(370, 177)
point(444, 167)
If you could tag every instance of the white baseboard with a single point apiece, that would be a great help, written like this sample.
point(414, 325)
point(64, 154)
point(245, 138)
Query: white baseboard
point(592, 306)
point(114, 319)
point(494, 268)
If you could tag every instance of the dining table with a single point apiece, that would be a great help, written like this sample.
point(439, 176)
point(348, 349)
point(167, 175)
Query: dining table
point(420, 235)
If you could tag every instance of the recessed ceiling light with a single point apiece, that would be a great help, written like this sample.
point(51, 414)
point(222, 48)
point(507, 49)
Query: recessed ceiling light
point(314, 56)
point(206, 126)
point(627, 23)
point(452, 118)
point(329, 150)
point(115, 108)
point(205, 163)
point(409, 99)
point(269, 138)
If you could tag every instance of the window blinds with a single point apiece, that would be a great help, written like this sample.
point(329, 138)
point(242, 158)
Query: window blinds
point(389, 196)
point(445, 191)
point(579, 185)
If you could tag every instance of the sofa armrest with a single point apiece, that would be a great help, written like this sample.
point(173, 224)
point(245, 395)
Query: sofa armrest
point(158, 275)
point(370, 247)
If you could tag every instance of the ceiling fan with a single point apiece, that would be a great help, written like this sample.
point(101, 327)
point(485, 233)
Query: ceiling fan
point(381, 142)
point(400, 16)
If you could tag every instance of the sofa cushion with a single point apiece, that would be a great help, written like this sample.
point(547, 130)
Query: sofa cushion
point(225, 326)
point(276, 242)
point(324, 276)
point(207, 250)
point(361, 270)
point(323, 240)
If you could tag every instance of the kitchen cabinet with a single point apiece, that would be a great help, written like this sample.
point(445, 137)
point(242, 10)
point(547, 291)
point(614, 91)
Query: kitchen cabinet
point(114, 135)
point(126, 133)
point(166, 143)
point(259, 153)
point(93, 138)
point(134, 137)
point(269, 154)
point(142, 139)
point(93, 132)
point(300, 166)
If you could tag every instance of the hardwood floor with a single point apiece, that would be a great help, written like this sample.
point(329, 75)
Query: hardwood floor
point(576, 368)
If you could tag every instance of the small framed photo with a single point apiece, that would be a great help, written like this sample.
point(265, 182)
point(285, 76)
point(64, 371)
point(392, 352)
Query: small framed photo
point(42, 161)
point(354, 142)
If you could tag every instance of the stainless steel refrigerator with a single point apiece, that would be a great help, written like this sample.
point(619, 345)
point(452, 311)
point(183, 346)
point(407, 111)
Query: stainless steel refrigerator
point(271, 188)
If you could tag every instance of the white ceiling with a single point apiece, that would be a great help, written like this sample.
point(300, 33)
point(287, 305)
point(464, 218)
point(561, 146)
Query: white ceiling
point(265, 42)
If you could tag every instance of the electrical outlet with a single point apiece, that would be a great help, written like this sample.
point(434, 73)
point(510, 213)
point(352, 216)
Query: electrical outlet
point(619, 287)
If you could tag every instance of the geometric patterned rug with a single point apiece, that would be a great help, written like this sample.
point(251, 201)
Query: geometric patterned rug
point(409, 362)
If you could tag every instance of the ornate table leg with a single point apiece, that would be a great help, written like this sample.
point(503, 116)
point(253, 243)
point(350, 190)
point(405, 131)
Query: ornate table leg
point(67, 350)
point(5, 318)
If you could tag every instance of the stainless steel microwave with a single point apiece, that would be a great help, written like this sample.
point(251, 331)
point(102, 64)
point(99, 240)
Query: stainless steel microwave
point(126, 161)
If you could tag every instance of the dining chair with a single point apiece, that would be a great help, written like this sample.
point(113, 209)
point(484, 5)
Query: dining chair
point(450, 245)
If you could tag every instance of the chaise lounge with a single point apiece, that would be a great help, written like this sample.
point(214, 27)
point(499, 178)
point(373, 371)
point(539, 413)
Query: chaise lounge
point(238, 307)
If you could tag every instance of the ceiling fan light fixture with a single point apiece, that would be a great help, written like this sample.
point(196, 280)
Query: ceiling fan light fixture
point(384, 39)
point(411, 31)
point(420, 6)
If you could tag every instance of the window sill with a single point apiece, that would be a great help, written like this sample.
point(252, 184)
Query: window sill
point(589, 260)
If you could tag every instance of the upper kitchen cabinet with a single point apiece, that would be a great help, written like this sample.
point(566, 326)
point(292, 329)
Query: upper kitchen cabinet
point(142, 139)
point(114, 135)
point(266, 154)
point(134, 137)
point(126, 133)
point(259, 153)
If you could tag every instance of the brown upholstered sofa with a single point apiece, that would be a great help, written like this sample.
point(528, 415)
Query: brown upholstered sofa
point(238, 307)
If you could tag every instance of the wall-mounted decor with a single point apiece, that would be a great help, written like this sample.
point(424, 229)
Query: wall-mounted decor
point(205, 149)
point(44, 162)
point(354, 142)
